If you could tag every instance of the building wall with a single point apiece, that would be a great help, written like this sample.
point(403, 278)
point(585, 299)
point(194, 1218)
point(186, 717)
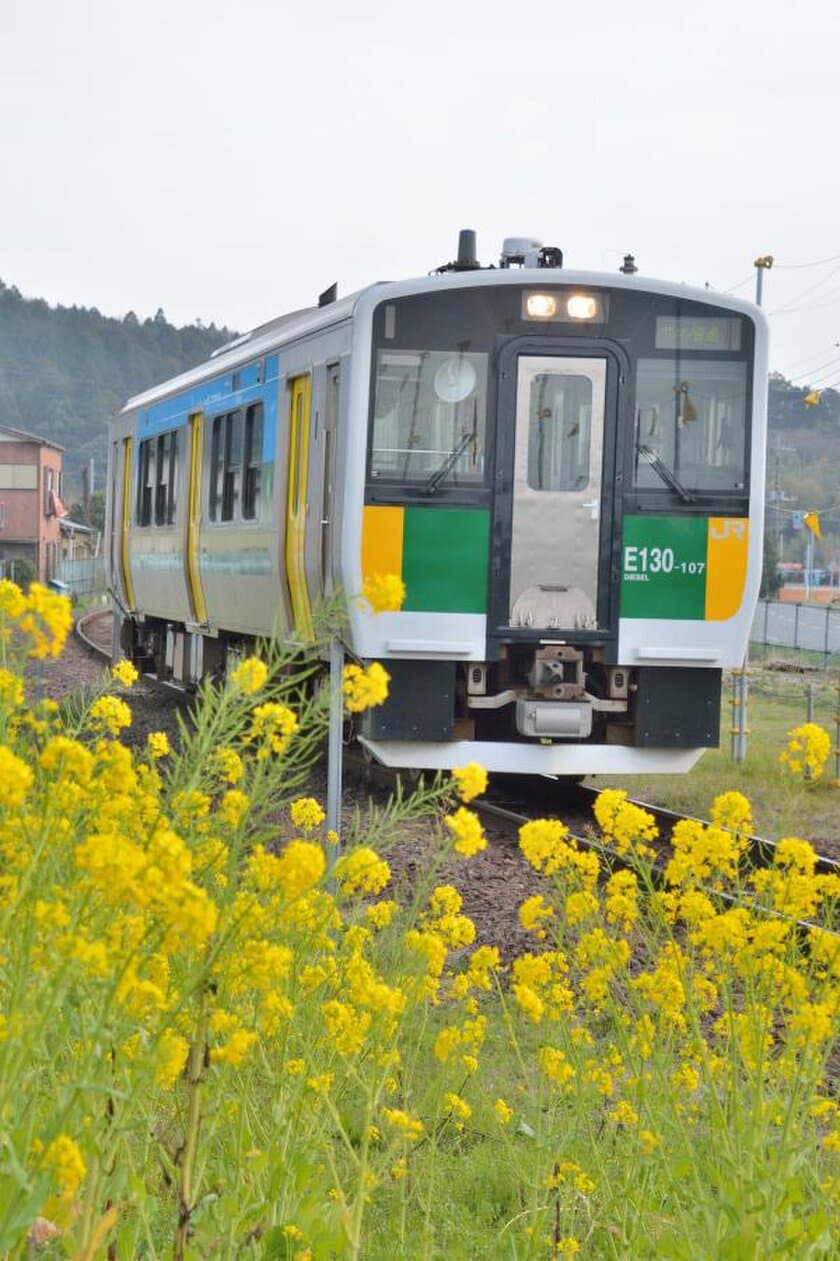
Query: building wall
point(29, 527)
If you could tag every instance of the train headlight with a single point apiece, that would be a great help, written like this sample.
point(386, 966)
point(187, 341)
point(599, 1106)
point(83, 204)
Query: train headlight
point(582, 306)
point(540, 306)
point(564, 306)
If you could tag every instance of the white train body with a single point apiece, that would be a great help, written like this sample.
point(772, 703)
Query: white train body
point(565, 468)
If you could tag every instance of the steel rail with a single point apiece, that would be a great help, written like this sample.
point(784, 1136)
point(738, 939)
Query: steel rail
point(82, 628)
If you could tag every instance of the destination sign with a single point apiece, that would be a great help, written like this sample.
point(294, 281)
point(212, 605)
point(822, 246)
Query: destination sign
point(697, 332)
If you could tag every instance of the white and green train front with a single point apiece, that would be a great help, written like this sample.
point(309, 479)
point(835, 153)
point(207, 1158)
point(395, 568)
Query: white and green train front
point(567, 472)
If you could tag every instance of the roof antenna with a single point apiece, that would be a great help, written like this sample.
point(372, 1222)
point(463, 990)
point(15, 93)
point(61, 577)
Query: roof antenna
point(329, 295)
point(466, 260)
point(629, 265)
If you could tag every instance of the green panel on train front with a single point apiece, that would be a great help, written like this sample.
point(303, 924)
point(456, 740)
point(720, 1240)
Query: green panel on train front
point(445, 560)
point(664, 567)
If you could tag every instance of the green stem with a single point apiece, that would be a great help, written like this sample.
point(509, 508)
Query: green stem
point(196, 1073)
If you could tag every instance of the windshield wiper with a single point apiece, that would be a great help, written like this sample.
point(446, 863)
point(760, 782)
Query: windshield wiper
point(669, 478)
point(432, 483)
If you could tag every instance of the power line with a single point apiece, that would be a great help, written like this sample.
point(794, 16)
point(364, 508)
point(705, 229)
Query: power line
point(805, 292)
point(801, 376)
point(816, 381)
point(820, 262)
point(739, 285)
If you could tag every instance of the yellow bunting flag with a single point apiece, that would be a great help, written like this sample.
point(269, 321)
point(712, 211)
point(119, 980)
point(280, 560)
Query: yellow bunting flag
point(812, 399)
point(812, 520)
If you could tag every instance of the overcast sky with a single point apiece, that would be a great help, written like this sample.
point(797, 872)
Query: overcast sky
point(228, 161)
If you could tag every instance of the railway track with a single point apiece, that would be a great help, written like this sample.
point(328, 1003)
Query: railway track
point(95, 630)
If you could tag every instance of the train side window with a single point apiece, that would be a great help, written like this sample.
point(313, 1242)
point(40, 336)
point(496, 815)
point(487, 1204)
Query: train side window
point(226, 466)
point(217, 465)
point(145, 481)
point(161, 478)
point(232, 485)
point(172, 504)
point(166, 464)
point(559, 432)
point(252, 461)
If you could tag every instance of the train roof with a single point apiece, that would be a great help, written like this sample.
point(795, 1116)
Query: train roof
point(290, 327)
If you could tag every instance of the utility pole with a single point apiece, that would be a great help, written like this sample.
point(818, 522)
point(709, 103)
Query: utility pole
point(740, 681)
point(763, 263)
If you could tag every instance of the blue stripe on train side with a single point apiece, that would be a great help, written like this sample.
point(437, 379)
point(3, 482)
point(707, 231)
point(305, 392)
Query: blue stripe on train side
point(216, 396)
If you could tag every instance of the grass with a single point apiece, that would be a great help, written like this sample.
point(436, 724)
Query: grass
point(778, 701)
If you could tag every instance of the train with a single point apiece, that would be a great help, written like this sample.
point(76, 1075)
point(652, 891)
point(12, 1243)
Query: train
point(564, 467)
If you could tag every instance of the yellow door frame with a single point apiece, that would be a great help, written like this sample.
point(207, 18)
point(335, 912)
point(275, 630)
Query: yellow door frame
point(300, 406)
point(125, 525)
point(194, 587)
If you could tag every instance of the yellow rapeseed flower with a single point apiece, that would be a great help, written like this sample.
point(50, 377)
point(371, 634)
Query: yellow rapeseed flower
point(306, 813)
point(250, 675)
point(503, 1111)
point(807, 751)
point(470, 780)
point(158, 744)
point(364, 688)
point(233, 807)
point(170, 1057)
point(384, 593)
point(624, 1114)
point(555, 1066)
point(233, 1051)
point(296, 870)
point(46, 620)
point(64, 1160)
point(544, 844)
point(732, 810)
point(226, 764)
point(362, 871)
point(272, 727)
point(125, 672)
point(380, 914)
point(109, 714)
point(11, 690)
point(410, 1127)
point(534, 913)
point(625, 825)
point(15, 778)
point(466, 827)
point(456, 1106)
point(346, 1026)
point(567, 1247)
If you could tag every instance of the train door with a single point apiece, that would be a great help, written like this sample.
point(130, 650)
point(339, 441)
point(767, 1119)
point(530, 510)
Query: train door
point(327, 525)
point(121, 520)
point(300, 408)
point(192, 527)
point(555, 560)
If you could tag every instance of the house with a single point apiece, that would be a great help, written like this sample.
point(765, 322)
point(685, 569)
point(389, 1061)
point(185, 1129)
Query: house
point(31, 507)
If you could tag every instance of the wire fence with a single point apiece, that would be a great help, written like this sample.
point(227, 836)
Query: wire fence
point(812, 629)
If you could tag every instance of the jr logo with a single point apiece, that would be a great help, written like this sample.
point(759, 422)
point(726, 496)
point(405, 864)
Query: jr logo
point(727, 528)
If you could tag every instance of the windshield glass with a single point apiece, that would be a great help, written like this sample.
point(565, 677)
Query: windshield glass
point(691, 419)
point(429, 416)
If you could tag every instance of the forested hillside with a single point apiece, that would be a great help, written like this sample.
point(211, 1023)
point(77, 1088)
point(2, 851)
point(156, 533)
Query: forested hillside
point(64, 371)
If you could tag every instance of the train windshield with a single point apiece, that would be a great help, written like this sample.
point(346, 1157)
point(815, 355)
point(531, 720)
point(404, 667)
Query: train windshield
point(430, 410)
point(691, 424)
